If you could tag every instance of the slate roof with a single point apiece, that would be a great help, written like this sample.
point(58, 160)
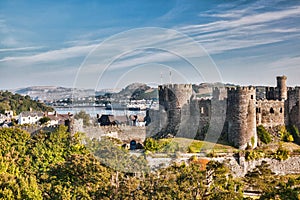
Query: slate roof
point(32, 114)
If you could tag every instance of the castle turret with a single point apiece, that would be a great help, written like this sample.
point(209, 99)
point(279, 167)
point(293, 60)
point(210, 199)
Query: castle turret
point(174, 100)
point(241, 117)
point(281, 87)
point(293, 106)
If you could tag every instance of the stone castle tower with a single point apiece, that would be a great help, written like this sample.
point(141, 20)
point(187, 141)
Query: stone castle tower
point(235, 112)
point(293, 106)
point(174, 101)
point(281, 87)
point(279, 92)
point(241, 117)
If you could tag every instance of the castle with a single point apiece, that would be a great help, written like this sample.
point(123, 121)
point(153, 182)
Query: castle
point(232, 112)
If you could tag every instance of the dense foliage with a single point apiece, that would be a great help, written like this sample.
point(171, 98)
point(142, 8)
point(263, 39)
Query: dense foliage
point(161, 146)
point(84, 116)
point(263, 135)
point(295, 133)
point(55, 165)
point(285, 135)
point(19, 103)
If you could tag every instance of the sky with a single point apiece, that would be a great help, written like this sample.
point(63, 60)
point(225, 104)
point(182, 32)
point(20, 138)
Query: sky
point(108, 44)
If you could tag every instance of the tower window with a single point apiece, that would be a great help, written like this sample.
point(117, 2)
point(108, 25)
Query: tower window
point(257, 110)
point(251, 96)
point(280, 110)
point(272, 110)
point(202, 110)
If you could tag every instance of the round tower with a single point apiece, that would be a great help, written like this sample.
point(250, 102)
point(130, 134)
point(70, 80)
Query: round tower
point(281, 87)
point(241, 117)
point(173, 96)
point(174, 99)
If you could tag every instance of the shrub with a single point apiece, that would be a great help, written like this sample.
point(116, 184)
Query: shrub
point(282, 154)
point(84, 116)
point(163, 145)
point(44, 120)
point(253, 155)
point(295, 133)
point(263, 135)
point(285, 134)
point(151, 145)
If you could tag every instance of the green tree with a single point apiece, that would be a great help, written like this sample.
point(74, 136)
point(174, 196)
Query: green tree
point(18, 103)
point(115, 157)
point(263, 134)
point(295, 133)
point(222, 184)
point(79, 177)
point(84, 116)
point(283, 190)
point(261, 178)
point(44, 120)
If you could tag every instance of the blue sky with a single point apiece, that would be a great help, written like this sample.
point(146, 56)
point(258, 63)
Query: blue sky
point(57, 42)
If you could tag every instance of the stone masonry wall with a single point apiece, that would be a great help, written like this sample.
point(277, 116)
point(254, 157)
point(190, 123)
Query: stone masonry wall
point(270, 113)
point(293, 106)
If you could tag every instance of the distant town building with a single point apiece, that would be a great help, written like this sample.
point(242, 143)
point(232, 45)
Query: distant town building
point(56, 119)
point(30, 117)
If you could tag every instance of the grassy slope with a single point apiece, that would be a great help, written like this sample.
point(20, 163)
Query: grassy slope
point(196, 146)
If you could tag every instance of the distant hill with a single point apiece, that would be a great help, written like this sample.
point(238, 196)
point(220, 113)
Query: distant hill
point(137, 91)
point(19, 103)
point(53, 92)
point(132, 91)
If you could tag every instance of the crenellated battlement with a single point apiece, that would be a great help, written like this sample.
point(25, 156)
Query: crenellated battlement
point(270, 88)
point(246, 108)
point(268, 101)
point(176, 86)
point(297, 88)
point(243, 88)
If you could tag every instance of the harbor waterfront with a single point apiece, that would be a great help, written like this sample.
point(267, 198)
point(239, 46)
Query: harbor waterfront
point(94, 110)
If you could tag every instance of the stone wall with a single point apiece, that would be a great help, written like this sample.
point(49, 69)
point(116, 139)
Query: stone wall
point(122, 132)
point(270, 113)
point(289, 166)
point(293, 106)
point(200, 116)
point(238, 166)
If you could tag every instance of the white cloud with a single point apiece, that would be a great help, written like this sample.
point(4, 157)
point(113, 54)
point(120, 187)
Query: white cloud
point(235, 29)
point(20, 49)
point(53, 55)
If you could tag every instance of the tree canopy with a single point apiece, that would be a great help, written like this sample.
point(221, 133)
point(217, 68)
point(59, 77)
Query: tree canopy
point(19, 103)
point(56, 165)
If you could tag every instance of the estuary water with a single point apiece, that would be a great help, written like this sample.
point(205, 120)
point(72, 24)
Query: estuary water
point(93, 111)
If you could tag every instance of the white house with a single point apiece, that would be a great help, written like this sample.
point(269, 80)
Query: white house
point(3, 118)
point(28, 117)
point(57, 119)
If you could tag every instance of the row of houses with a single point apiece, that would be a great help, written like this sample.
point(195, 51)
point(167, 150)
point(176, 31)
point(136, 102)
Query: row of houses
point(29, 117)
point(33, 117)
